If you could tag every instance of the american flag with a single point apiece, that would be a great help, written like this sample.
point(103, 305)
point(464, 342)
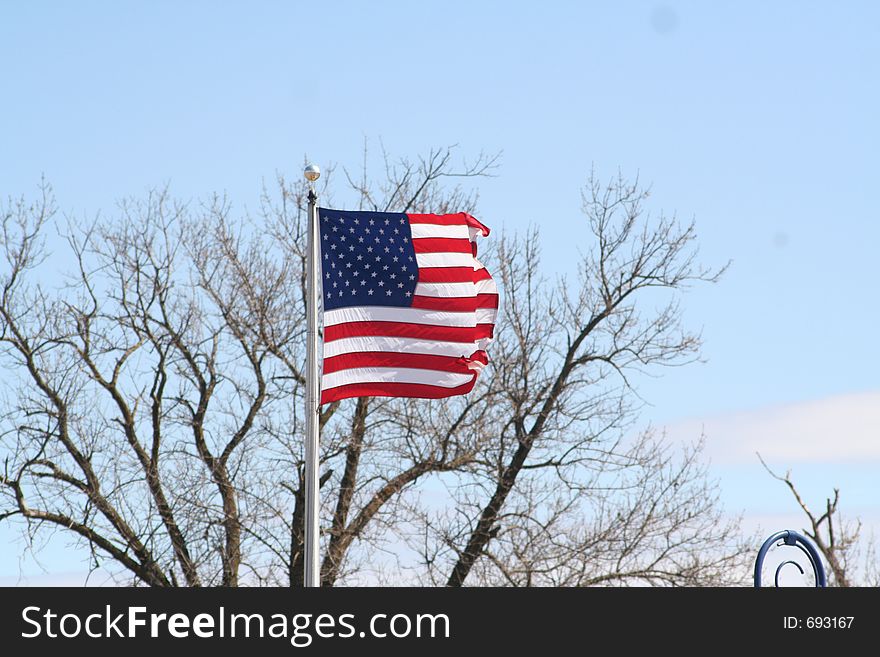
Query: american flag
point(408, 308)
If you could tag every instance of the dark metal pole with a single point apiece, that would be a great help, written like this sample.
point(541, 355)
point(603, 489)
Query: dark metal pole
point(791, 538)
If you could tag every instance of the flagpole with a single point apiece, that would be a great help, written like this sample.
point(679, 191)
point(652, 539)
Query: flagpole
point(312, 574)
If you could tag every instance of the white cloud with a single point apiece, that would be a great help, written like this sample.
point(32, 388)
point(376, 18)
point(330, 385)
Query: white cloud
point(843, 428)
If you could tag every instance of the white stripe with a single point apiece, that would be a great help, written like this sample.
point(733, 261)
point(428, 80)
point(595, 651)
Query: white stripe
point(446, 290)
point(394, 375)
point(485, 286)
point(400, 345)
point(435, 230)
point(486, 315)
point(445, 260)
point(396, 314)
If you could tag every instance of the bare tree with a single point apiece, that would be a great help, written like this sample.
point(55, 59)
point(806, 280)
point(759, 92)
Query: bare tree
point(559, 495)
point(851, 558)
point(153, 404)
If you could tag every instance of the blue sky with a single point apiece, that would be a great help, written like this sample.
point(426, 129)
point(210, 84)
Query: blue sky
point(757, 119)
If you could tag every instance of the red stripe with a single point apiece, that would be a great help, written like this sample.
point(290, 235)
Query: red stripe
point(456, 304)
point(452, 275)
point(458, 219)
point(485, 331)
point(456, 364)
point(442, 245)
point(405, 330)
point(419, 390)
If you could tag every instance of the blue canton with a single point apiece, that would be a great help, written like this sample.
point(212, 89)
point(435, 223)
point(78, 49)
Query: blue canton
point(367, 259)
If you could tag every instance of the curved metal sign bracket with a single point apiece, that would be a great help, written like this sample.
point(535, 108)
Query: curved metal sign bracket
point(791, 538)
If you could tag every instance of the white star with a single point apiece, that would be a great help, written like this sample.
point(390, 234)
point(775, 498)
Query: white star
point(400, 285)
point(351, 248)
point(376, 240)
point(393, 275)
point(369, 292)
point(342, 220)
point(329, 294)
point(363, 281)
point(381, 231)
point(347, 283)
point(367, 266)
point(333, 265)
point(384, 267)
point(401, 250)
point(357, 273)
point(387, 221)
point(367, 230)
point(388, 293)
point(334, 284)
point(348, 264)
point(396, 231)
point(394, 258)
point(343, 238)
point(326, 256)
point(372, 222)
point(361, 240)
point(373, 274)
point(351, 230)
point(354, 292)
point(332, 246)
point(405, 239)
point(412, 277)
point(387, 249)
point(403, 221)
point(409, 294)
point(341, 293)
point(410, 258)
point(335, 228)
point(381, 283)
point(378, 259)
point(402, 268)
point(369, 249)
point(357, 221)
point(360, 257)
point(326, 236)
point(328, 275)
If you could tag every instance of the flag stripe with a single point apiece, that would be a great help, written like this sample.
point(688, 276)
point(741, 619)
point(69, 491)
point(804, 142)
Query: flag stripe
point(467, 289)
point(364, 359)
point(397, 344)
point(462, 218)
point(443, 244)
point(468, 334)
point(445, 260)
point(485, 316)
point(435, 230)
point(390, 389)
point(452, 274)
point(465, 304)
point(397, 375)
point(396, 314)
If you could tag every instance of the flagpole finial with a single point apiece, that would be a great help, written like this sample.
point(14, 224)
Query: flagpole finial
point(312, 173)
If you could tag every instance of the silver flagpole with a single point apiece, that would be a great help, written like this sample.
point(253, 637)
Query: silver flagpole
point(313, 385)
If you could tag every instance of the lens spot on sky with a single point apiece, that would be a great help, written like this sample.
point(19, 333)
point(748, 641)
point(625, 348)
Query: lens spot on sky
point(664, 19)
point(780, 239)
